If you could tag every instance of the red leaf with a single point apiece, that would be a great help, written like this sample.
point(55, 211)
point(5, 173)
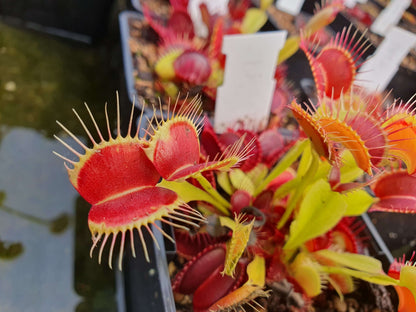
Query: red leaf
point(192, 67)
point(396, 192)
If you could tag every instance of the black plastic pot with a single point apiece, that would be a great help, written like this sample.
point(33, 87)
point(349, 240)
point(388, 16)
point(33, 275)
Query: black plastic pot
point(136, 5)
point(80, 20)
point(147, 284)
point(129, 93)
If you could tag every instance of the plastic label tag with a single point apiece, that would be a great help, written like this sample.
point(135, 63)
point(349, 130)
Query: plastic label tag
point(352, 3)
point(378, 70)
point(390, 16)
point(244, 99)
point(292, 7)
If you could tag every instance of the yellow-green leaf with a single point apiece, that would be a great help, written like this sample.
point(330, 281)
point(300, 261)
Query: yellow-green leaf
point(187, 192)
point(305, 161)
point(226, 221)
point(258, 173)
point(290, 157)
point(224, 181)
point(237, 244)
point(320, 210)
point(353, 261)
point(170, 88)
point(306, 273)
point(349, 171)
point(291, 47)
point(164, 66)
point(380, 278)
point(241, 181)
point(256, 271)
point(358, 202)
point(306, 179)
point(253, 20)
point(264, 4)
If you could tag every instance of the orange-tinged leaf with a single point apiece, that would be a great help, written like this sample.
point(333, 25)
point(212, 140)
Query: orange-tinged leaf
point(323, 17)
point(238, 298)
point(406, 299)
point(401, 134)
point(359, 132)
point(314, 131)
point(408, 279)
point(339, 131)
point(343, 283)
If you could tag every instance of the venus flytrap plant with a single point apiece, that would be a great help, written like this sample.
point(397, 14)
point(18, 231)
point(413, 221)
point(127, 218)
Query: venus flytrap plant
point(323, 16)
point(283, 216)
point(188, 60)
point(103, 177)
point(407, 290)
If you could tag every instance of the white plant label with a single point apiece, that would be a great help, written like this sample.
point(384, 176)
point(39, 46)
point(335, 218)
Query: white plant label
point(292, 7)
point(244, 99)
point(214, 6)
point(377, 72)
point(390, 16)
point(352, 3)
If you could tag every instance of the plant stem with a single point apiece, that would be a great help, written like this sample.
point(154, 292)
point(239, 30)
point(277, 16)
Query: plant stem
point(283, 164)
point(223, 204)
point(304, 181)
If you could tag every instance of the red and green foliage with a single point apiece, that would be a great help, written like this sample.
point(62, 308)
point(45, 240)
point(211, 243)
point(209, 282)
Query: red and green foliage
point(280, 205)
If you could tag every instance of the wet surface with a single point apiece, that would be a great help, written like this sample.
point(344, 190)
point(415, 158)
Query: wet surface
point(44, 237)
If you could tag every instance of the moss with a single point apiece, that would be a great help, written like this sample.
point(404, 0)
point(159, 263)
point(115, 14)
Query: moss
point(42, 78)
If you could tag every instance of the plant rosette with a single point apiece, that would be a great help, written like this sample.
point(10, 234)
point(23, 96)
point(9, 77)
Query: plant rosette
point(260, 217)
point(178, 57)
point(288, 216)
point(171, 60)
